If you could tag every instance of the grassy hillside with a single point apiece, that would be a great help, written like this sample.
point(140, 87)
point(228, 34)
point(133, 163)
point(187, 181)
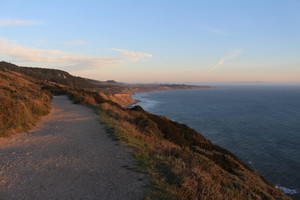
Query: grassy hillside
point(22, 102)
point(49, 75)
point(182, 163)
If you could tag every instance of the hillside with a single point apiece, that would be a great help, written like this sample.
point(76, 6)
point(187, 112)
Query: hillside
point(106, 87)
point(184, 164)
point(23, 102)
point(181, 162)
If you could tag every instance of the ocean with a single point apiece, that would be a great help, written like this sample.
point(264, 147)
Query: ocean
point(260, 124)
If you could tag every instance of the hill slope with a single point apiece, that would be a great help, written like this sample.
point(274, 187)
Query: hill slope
point(22, 102)
point(182, 163)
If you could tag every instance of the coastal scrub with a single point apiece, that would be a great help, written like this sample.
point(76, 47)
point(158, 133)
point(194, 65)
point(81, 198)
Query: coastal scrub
point(22, 103)
point(181, 162)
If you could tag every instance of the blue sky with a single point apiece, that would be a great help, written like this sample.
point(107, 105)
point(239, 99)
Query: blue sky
point(156, 41)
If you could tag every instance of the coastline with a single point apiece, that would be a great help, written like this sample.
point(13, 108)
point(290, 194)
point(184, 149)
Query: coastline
point(294, 193)
point(169, 151)
point(126, 100)
point(183, 164)
point(134, 101)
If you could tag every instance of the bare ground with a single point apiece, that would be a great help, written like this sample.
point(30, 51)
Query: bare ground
point(69, 155)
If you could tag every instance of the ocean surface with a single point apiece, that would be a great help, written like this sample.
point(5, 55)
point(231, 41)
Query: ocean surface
point(260, 124)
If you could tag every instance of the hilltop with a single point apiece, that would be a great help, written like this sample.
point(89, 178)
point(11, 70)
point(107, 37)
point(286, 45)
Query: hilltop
point(182, 163)
point(60, 77)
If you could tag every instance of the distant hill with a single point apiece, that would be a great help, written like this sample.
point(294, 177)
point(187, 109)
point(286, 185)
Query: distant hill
point(50, 75)
point(75, 82)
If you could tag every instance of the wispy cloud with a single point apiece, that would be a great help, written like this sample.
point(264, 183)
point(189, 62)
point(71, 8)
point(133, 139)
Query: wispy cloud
point(213, 30)
point(21, 54)
point(230, 55)
point(132, 55)
point(74, 43)
point(18, 22)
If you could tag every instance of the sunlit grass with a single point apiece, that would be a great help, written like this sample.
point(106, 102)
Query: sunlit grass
point(22, 103)
point(179, 169)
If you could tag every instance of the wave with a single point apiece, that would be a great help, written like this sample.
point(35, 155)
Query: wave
point(144, 102)
point(287, 190)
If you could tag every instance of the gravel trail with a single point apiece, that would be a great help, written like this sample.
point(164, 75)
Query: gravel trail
point(69, 155)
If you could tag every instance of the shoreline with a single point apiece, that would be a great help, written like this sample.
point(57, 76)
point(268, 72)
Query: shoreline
point(294, 193)
point(179, 145)
point(126, 100)
point(134, 101)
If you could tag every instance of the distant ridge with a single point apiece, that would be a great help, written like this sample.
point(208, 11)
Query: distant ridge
point(75, 82)
point(51, 75)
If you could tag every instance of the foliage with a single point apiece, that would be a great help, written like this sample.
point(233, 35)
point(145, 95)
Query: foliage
point(22, 102)
point(182, 163)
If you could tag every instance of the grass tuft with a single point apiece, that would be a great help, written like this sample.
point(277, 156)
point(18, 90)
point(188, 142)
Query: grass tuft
point(22, 103)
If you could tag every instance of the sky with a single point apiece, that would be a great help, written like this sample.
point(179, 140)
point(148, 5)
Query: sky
point(156, 41)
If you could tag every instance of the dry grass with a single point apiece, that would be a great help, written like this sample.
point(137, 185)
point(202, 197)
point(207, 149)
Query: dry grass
point(22, 103)
point(180, 170)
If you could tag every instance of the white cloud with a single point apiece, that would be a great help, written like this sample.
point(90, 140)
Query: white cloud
point(213, 30)
point(18, 22)
point(27, 55)
point(74, 43)
point(24, 54)
point(230, 55)
point(131, 55)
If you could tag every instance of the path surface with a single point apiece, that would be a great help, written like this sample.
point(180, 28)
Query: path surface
point(68, 156)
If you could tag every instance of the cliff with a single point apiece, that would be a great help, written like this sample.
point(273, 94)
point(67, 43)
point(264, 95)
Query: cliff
point(182, 163)
point(123, 100)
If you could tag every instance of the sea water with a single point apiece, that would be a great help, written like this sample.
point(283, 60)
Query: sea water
point(260, 124)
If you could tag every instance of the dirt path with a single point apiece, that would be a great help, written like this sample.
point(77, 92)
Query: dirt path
point(68, 156)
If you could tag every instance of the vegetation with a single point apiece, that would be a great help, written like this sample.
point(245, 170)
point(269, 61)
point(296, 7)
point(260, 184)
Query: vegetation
point(49, 75)
point(182, 163)
point(22, 102)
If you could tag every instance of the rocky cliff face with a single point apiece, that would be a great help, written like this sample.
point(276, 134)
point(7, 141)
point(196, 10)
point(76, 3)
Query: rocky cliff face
point(123, 100)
